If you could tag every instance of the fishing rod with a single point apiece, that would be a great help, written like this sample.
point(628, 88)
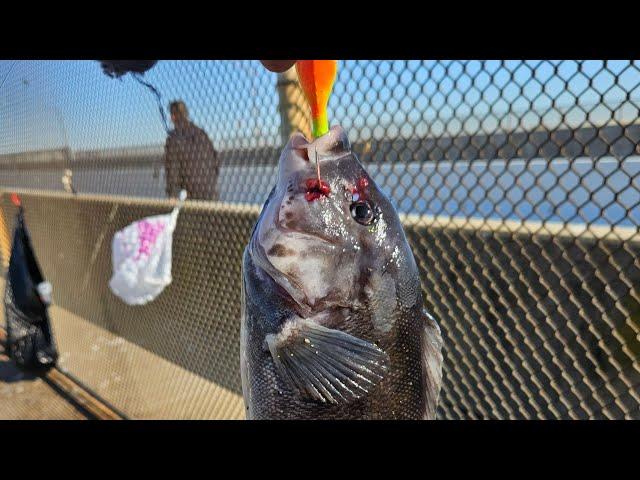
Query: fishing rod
point(137, 68)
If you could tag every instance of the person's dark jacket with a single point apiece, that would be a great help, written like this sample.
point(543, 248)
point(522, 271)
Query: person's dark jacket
point(191, 163)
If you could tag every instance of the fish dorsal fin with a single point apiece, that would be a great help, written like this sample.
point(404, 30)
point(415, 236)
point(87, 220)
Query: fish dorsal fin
point(326, 365)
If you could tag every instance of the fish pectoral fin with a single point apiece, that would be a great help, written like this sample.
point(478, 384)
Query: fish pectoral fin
point(326, 365)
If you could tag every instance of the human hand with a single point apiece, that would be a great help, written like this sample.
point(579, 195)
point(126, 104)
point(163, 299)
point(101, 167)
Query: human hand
point(278, 66)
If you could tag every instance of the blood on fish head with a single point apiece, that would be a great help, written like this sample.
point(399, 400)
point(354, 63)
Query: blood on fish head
point(316, 189)
point(323, 239)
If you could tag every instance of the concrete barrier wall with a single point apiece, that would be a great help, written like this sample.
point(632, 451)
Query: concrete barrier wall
point(538, 321)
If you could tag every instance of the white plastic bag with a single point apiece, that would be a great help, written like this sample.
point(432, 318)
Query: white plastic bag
point(141, 256)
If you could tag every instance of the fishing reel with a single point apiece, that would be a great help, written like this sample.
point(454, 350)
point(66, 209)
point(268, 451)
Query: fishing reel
point(118, 68)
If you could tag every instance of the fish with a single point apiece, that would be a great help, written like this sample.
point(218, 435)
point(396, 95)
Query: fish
point(333, 323)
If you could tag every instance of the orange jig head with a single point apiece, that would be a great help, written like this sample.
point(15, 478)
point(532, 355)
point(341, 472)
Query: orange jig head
point(317, 78)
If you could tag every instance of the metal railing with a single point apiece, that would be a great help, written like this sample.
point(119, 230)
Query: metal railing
point(518, 184)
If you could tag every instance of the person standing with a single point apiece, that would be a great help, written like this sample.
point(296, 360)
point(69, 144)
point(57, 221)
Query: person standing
point(190, 160)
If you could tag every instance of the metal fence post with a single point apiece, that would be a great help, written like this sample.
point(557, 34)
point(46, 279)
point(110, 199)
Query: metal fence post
point(294, 112)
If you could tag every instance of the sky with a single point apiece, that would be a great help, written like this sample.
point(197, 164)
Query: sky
point(53, 104)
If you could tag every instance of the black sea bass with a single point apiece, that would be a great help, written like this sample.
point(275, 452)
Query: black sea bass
point(333, 322)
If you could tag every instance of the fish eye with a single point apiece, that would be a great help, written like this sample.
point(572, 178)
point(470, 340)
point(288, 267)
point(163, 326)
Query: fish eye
point(362, 212)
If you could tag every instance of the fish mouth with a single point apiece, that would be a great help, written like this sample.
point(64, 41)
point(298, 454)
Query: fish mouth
point(295, 169)
point(301, 154)
point(295, 156)
point(296, 165)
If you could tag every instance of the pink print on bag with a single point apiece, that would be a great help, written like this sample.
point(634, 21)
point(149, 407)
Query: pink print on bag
point(147, 235)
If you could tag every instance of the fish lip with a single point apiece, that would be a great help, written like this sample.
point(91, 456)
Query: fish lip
point(291, 160)
point(297, 140)
point(331, 146)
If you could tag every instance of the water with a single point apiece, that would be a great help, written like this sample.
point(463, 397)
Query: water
point(602, 192)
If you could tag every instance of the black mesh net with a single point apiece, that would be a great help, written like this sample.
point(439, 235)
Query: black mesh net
point(518, 183)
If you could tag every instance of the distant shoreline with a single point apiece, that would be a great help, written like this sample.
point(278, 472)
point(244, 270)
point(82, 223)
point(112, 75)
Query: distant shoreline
point(576, 191)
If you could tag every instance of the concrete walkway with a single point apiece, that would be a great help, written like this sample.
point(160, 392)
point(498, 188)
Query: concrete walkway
point(25, 397)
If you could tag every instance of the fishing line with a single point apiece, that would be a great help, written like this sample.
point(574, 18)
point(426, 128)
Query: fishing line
point(156, 93)
point(8, 72)
point(317, 167)
point(58, 120)
point(138, 78)
point(137, 68)
point(117, 70)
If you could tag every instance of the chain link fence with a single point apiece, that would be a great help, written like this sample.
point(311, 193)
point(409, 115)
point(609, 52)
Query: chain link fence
point(518, 183)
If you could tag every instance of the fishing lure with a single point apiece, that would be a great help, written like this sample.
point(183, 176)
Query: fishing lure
point(317, 78)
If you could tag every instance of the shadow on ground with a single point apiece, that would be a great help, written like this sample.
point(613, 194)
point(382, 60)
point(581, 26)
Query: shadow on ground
point(10, 373)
